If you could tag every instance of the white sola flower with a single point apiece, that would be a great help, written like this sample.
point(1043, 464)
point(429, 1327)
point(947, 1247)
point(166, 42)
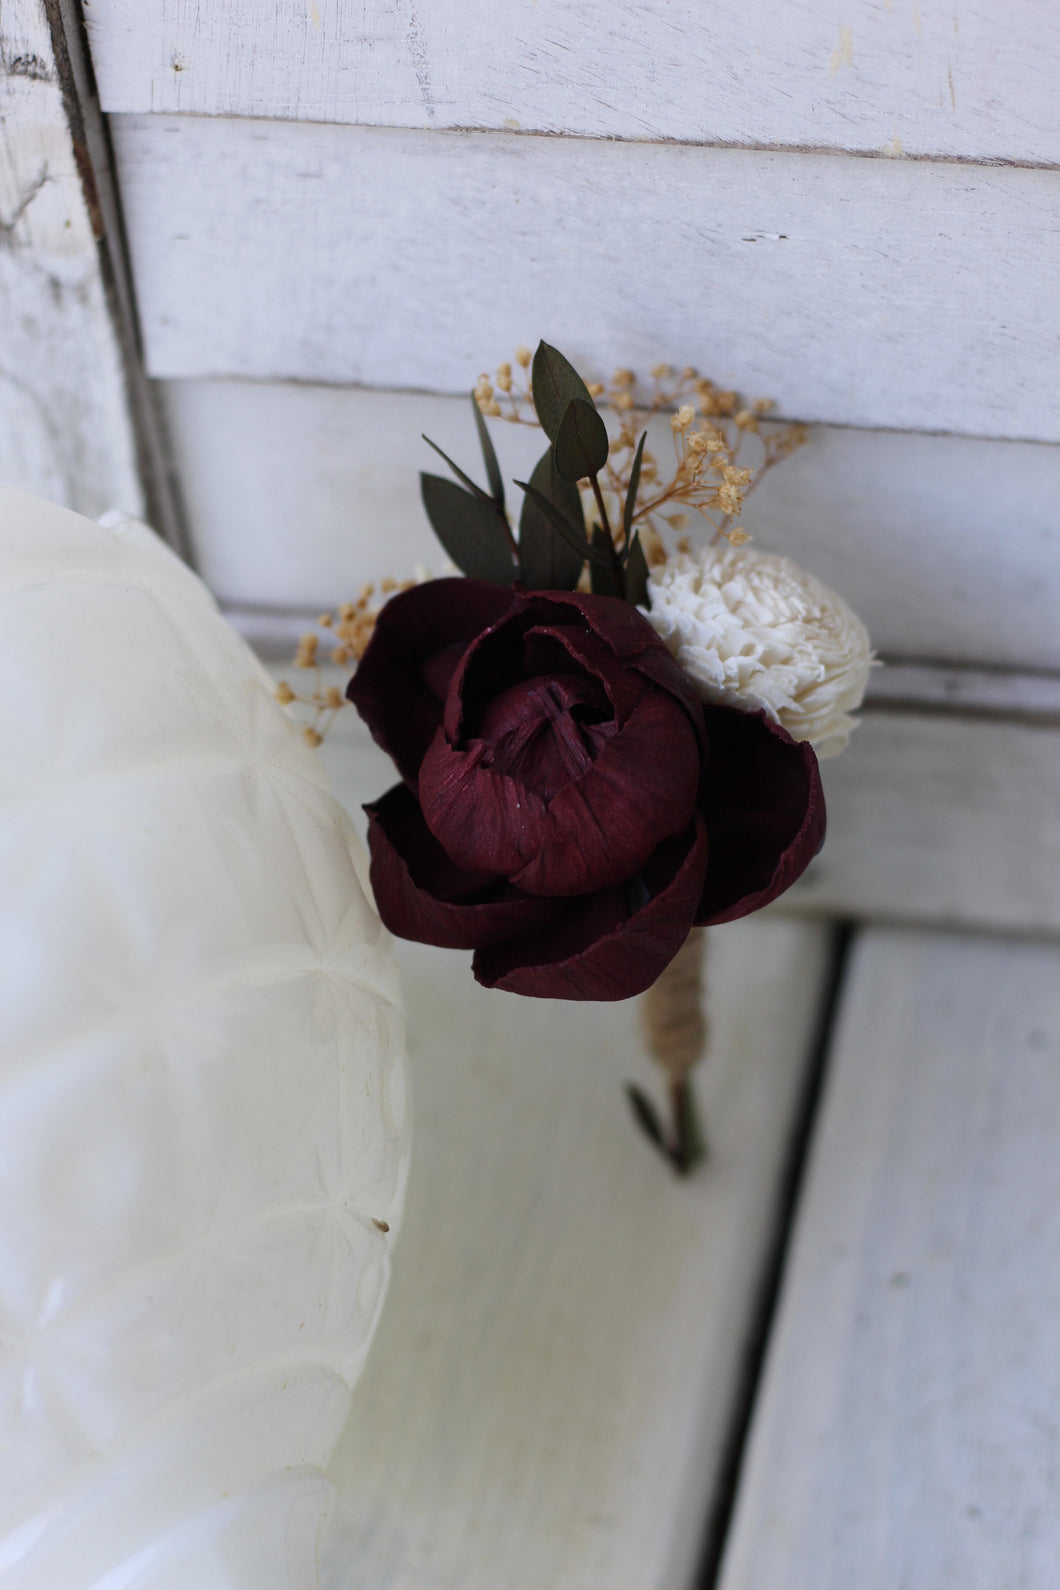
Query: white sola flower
point(753, 630)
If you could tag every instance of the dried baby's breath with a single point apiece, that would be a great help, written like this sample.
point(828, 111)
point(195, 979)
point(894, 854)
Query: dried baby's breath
point(709, 476)
point(348, 630)
point(710, 427)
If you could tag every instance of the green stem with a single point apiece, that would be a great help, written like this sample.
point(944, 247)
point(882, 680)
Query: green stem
point(616, 561)
point(687, 1147)
point(594, 481)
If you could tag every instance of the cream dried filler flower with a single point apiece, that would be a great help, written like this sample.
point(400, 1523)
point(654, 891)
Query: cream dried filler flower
point(753, 630)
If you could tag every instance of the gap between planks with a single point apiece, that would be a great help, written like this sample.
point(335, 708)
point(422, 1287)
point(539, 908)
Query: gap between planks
point(906, 1427)
point(933, 818)
point(727, 1489)
point(92, 148)
point(898, 684)
point(949, 548)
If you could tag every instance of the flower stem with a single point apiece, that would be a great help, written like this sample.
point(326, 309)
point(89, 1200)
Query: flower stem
point(594, 481)
point(616, 561)
point(676, 1030)
point(687, 1144)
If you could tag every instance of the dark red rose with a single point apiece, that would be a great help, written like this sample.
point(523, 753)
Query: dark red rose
point(569, 808)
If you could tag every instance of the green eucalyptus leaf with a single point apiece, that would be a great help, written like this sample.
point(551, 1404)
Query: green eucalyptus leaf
point(548, 561)
point(634, 486)
point(476, 491)
point(606, 579)
point(493, 469)
point(555, 384)
point(581, 443)
point(471, 529)
point(573, 537)
point(636, 574)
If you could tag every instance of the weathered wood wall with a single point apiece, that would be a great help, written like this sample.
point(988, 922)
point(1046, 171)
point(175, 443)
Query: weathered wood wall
point(65, 425)
point(969, 81)
point(315, 200)
point(344, 254)
point(337, 216)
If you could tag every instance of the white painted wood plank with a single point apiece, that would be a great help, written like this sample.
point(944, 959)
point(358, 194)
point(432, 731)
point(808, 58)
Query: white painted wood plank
point(65, 429)
point(901, 294)
point(1025, 696)
point(906, 1433)
point(948, 547)
point(550, 1399)
point(942, 819)
point(972, 79)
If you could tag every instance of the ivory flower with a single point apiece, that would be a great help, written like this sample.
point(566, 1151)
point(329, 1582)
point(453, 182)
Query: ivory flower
point(753, 630)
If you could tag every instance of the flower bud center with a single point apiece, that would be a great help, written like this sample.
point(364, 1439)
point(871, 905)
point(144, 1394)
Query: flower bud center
point(546, 731)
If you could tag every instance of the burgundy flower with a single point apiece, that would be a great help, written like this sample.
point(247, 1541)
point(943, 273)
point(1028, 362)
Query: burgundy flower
point(569, 808)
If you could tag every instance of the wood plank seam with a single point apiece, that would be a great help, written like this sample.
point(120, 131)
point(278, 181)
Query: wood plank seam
point(95, 164)
point(948, 548)
point(774, 1260)
point(1018, 695)
point(905, 1433)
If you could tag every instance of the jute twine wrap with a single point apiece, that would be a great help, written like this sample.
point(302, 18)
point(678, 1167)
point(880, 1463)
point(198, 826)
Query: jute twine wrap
point(673, 1010)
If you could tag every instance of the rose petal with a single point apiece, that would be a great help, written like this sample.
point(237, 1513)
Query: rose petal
point(606, 637)
point(597, 831)
point(601, 828)
point(601, 948)
point(763, 803)
point(555, 647)
point(634, 642)
point(544, 732)
point(484, 819)
point(400, 683)
point(421, 894)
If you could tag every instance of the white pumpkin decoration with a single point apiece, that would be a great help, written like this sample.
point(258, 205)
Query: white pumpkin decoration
point(202, 1085)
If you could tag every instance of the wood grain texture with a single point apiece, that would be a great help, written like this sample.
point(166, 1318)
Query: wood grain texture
point(948, 547)
point(972, 80)
point(948, 820)
point(65, 429)
point(885, 293)
point(550, 1395)
point(906, 1431)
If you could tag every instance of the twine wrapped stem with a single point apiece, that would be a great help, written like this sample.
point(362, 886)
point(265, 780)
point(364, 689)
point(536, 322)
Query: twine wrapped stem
point(674, 1018)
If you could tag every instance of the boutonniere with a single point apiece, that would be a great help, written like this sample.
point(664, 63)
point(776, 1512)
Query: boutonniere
point(606, 737)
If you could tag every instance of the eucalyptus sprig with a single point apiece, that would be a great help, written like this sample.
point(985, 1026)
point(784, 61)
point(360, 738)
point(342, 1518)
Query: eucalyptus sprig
point(711, 474)
point(555, 549)
point(554, 542)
